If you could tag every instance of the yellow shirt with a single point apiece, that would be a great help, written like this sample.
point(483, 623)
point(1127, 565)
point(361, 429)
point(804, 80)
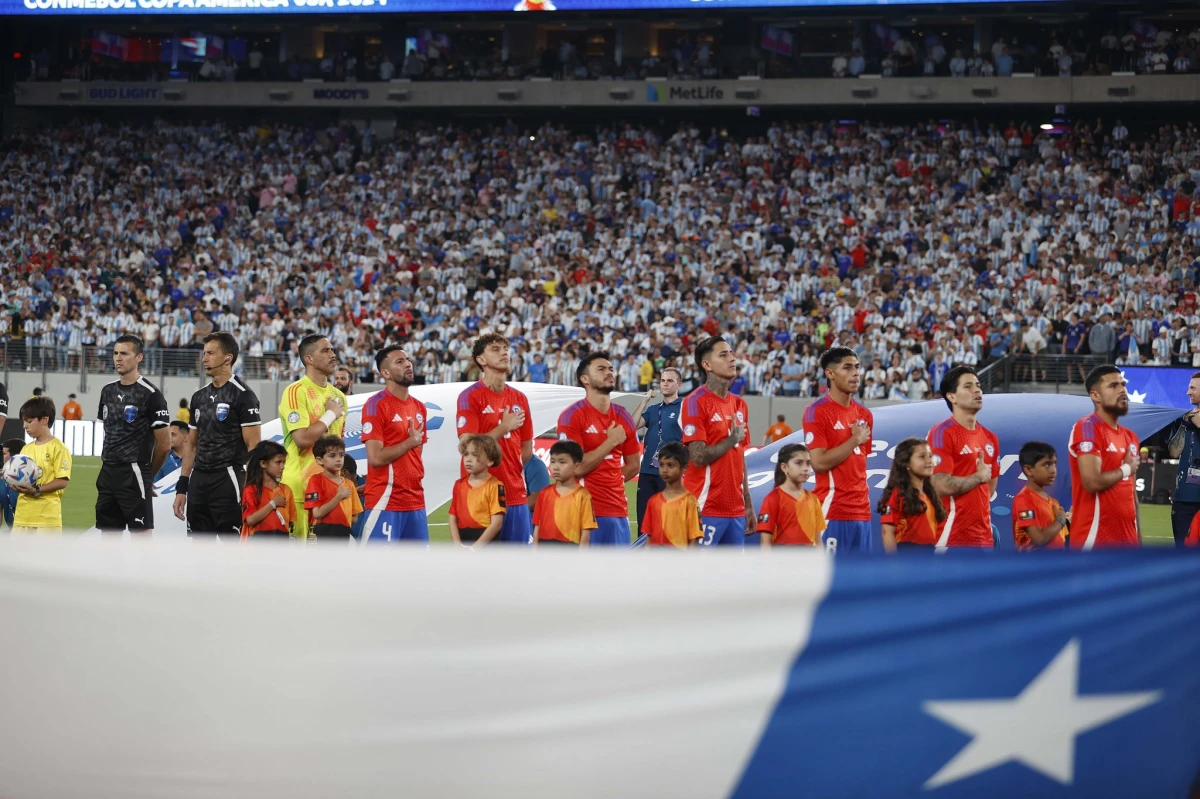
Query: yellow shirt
point(647, 373)
point(302, 405)
point(44, 511)
point(184, 415)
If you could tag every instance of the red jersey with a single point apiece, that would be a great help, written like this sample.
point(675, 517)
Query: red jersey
point(843, 489)
point(479, 411)
point(920, 528)
point(398, 486)
point(1107, 519)
point(791, 520)
point(1193, 538)
point(1031, 510)
point(278, 521)
point(588, 428)
point(718, 487)
point(955, 451)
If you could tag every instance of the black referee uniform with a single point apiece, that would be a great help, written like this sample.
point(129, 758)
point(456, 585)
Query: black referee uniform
point(3, 400)
point(214, 501)
point(130, 415)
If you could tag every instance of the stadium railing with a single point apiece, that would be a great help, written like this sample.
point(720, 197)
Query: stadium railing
point(1045, 372)
point(19, 356)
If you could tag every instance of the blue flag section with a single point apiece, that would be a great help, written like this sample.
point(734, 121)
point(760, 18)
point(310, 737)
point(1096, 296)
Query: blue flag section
point(1000, 676)
point(1159, 385)
point(1014, 418)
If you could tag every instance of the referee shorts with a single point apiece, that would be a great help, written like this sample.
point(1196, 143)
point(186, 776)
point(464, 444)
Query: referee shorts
point(214, 503)
point(124, 497)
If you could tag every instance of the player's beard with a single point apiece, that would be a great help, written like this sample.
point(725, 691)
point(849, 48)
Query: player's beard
point(606, 390)
point(1117, 410)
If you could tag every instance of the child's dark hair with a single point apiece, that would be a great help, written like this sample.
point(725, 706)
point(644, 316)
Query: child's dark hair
point(265, 451)
point(785, 455)
point(676, 451)
point(326, 444)
point(568, 448)
point(911, 501)
point(14, 446)
point(350, 470)
point(37, 408)
point(1034, 452)
point(484, 444)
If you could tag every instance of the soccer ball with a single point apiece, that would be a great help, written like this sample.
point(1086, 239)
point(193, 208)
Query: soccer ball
point(22, 470)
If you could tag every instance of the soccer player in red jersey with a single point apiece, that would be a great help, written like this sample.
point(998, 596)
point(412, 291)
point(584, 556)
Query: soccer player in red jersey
point(492, 407)
point(611, 453)
point(1039, 522)
point(837, 431)
point(966, 455)
point(393, 431)
point(1104, 456)
point(716, 429)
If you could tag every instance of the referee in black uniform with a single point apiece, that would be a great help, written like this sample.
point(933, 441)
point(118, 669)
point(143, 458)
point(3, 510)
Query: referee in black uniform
point(3, 405)
point(225, 426)
point(136, 441)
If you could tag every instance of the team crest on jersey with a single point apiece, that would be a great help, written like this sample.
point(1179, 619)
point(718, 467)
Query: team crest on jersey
point(808, 438)
point(1132, 449)
point(562, 436)
point(104, 414)
point(367, 428)
point(462, 422)
point(1026, 515)
point(293, 417)
point(990, 450)
point(1086, 446)
point(222, 411)
point(420, 419)
point(740, 417)
point(689, 430)
point(130, 413)
point(937, 460)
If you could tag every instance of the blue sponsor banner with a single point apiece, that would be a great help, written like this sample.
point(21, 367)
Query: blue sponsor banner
point(1159, 385)
point(203, 7)
point(1014, 418)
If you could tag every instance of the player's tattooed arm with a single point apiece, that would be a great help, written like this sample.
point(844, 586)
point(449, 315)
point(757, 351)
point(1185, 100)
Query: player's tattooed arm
point(703, 454)
point(948, 485)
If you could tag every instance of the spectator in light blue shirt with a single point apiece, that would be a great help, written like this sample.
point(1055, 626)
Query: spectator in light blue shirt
point(538, 371)
point(1004, 63)
point(791, 372)
point(179, 433)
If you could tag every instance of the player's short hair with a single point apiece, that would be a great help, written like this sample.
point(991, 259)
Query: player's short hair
point(308, 344)
point(345, 369)
point(835, 355)
point(182, 425)
point(14, 446)
point(226, 342)
point(587, 361)
point(134, 341)
point(1195, 376)
point(384, 354)
point(781, 418)
point(39, 407)
point(484, 444)
point(569, 448)
point(676, 451)
point(678, 373)
point(1034, 452)
point(704, 348)
point(183, 402)
point(1097, 374)
point(485, 341)
point(327, 444)
point(951, 380)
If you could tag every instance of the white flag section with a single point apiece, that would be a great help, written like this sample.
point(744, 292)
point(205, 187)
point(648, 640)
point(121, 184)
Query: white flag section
point(168, 669)
point(440, 455)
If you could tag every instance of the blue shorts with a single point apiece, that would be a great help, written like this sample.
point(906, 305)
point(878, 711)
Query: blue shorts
point(723, 532)
point(611, 531)
point(383, 526)
point(841, 536)
point(517, 527)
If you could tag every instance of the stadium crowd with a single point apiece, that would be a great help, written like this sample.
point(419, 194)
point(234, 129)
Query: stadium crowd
point(918, 246)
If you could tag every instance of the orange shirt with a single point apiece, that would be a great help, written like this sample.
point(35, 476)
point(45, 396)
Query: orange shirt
point(72, 411)
point(672, 522)
point(1031, 510)
point(920, 528)
point(474, 506)
point(280, 521)
point(796, 521)
point(1107, 519)
point(320, 490)
point(778, 430)
point(563, 517)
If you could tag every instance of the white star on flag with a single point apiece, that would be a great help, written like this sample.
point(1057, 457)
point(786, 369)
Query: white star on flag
point(1037, 728)
point(1137, 396)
